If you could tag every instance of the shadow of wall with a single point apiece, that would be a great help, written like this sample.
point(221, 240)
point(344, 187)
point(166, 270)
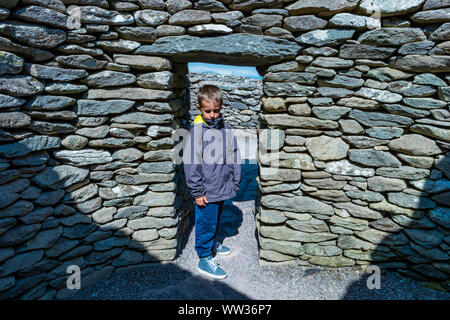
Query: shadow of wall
point(55, 215)
point(150, 279)
point(413, 240)
point(52, 218)
point(167, 281)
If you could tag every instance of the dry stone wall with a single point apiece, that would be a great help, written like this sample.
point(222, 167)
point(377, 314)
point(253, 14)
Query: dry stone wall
point(242, 98)
point(356, 97)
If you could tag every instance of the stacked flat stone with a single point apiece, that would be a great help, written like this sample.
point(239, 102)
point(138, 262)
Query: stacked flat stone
point(242, 98)
point(360, 131)
point(91, 91)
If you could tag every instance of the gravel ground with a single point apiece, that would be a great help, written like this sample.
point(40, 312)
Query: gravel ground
point(246, 278)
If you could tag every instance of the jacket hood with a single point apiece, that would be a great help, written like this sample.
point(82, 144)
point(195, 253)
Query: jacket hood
point(216, 123)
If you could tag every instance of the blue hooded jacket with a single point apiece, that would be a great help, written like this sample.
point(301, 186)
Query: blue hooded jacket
point(211, 159)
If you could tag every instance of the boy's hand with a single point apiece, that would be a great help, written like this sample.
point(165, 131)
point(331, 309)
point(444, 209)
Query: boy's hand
point(201, 202)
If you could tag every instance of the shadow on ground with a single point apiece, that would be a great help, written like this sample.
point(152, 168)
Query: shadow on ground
point(170, 282)
point(166, 280)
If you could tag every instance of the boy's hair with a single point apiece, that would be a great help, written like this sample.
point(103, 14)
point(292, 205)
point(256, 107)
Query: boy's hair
point(211, 93)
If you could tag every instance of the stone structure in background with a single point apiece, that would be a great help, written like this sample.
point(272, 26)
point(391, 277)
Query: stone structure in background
point(242, 98)
point(90, 92)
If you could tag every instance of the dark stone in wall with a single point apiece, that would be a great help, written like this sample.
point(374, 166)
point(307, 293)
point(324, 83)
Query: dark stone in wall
point(240, 49)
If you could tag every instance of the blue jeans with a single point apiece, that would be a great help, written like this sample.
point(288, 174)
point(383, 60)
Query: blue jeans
point(206, 225)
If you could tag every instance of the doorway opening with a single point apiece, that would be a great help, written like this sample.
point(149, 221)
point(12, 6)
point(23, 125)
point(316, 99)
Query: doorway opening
point(242, 90)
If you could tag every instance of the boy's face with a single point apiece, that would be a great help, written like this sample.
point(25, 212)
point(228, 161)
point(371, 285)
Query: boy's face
point(210, 110)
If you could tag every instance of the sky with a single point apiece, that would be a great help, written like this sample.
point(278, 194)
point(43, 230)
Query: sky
point(249, 72)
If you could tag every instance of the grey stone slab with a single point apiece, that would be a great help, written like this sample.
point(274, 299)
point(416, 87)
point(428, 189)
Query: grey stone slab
point(240, 49)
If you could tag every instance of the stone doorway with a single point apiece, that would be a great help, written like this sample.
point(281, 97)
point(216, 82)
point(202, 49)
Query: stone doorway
point(241, 108)
point(235, 49)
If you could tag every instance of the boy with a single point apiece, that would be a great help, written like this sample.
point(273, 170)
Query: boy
point(212, 167)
